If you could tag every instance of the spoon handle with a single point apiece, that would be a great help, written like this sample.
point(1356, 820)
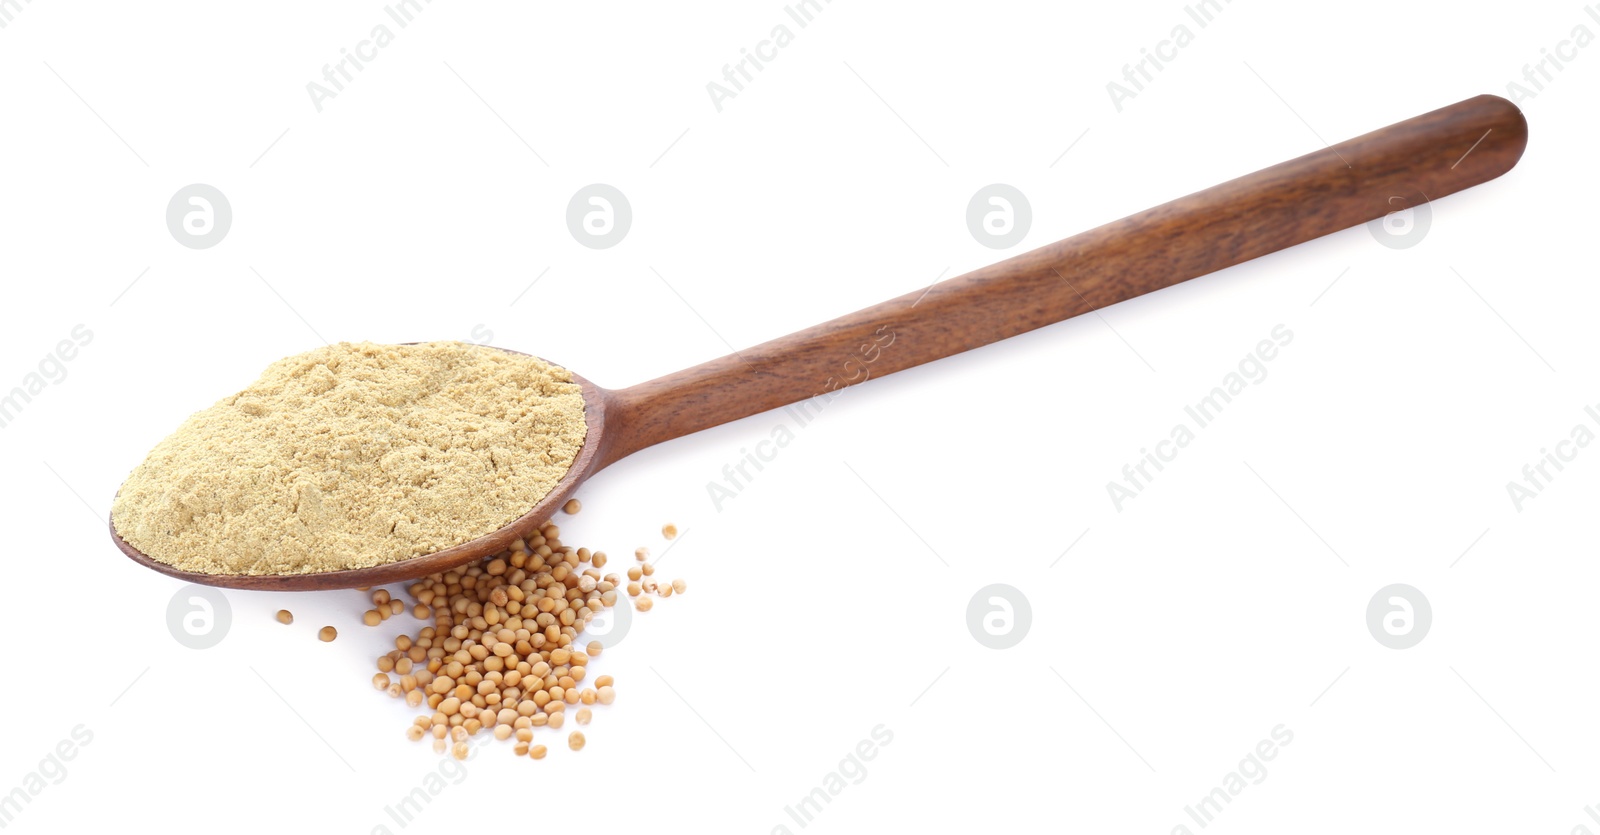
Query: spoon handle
point(1362, 179)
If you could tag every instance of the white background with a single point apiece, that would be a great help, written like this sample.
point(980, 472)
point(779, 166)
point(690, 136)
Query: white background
point(1170, 639)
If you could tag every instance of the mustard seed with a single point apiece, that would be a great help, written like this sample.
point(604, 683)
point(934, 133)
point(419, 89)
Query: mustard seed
point(327, 633)
point(372, 618)
point(680, 586)
point(285, 616)
point(572, 507)
point(669, 531)
point(575, 740)
point(641, 554)
point(537, 752)
point(503, 649)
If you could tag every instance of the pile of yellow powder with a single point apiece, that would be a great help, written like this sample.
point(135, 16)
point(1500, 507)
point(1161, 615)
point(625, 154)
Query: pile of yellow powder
point(355, 455)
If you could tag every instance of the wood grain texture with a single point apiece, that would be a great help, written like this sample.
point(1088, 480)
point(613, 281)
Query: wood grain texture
point(1272, 209)
point(1432, 155)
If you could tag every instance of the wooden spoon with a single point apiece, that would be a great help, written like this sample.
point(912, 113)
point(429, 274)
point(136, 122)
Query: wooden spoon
point(1400, 166)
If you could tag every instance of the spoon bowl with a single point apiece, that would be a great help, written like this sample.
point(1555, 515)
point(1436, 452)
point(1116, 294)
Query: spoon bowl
point(587, 463)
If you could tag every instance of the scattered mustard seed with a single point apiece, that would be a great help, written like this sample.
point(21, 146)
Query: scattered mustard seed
point(669, 531)
point(327, 633)
point(503, 653)
point(285, 616)
point(572, 507)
